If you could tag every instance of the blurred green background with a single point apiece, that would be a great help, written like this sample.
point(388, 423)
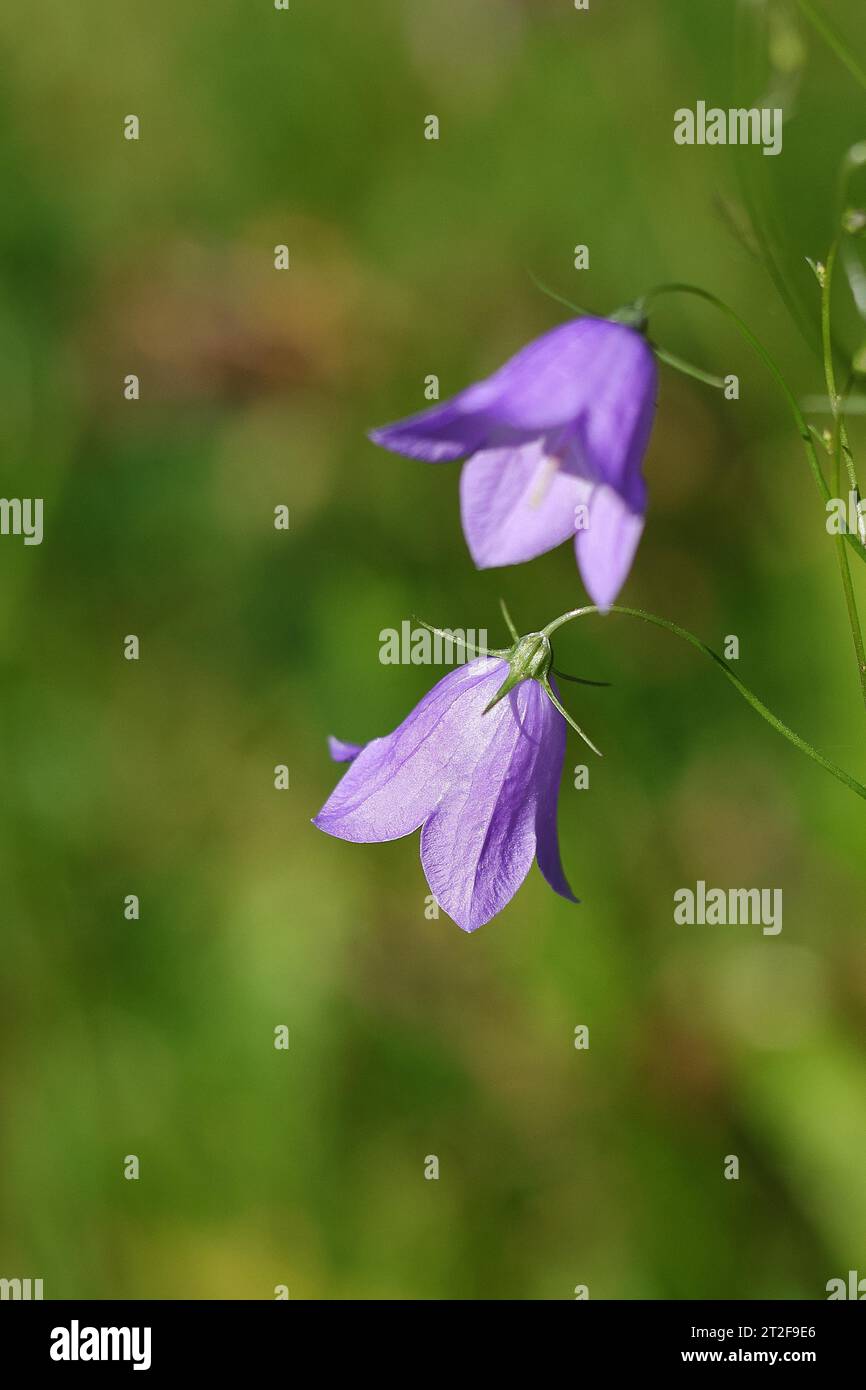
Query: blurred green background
point(408, 257)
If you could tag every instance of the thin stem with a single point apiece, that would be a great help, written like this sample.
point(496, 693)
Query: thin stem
point(456, 640)
point(848, 456)
point(847, 585)
point(669, 358)
point(854, 405)
point(579, 680)
point(830, 371)
point(749, 56)
point(739, 685)
point(776, 373)
point(840, 443)
point(551, 294)
point(548, 690)
point(509, 622)
point(833, 40)
point(687, 369)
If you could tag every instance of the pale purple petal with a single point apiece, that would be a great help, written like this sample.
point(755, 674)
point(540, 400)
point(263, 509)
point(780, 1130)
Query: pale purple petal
point(606, 548)
point(479, 843)
point(439, 435)
point(395, 782)
point(343, 752)
point(614, 431)
point(517, 503)
point(576, 368)
point(549, 776)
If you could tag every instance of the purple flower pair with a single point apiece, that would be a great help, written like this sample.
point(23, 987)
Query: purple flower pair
point(554, 442)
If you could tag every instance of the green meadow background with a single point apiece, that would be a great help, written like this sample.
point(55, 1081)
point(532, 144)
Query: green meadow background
point(408, 1038)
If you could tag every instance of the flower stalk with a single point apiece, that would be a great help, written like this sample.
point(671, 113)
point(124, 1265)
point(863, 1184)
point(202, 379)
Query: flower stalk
point(758, 705)
point(840, 447)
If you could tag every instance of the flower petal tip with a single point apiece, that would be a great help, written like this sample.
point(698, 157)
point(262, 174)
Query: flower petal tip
point(342, 752)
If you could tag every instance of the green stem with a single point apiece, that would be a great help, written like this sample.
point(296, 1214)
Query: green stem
point(833, 40)
point(840, 443)
point(579, 680)
point(457, 641)
point(749, 58)
point(680, 365)
point(739, 685)
point(558, 298)
point(509, 621)
point(830, 371)
point(776, 372)
point(549, 692)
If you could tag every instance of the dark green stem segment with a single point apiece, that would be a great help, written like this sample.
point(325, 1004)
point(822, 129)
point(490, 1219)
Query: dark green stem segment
point(840, 444)
point(776, 372)
point(739, 685)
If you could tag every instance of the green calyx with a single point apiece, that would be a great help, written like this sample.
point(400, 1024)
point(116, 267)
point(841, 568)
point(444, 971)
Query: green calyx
point(632, 316)
point(531, 658)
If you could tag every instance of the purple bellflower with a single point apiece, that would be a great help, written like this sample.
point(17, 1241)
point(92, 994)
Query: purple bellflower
point(476, 767)
point(554, 442)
